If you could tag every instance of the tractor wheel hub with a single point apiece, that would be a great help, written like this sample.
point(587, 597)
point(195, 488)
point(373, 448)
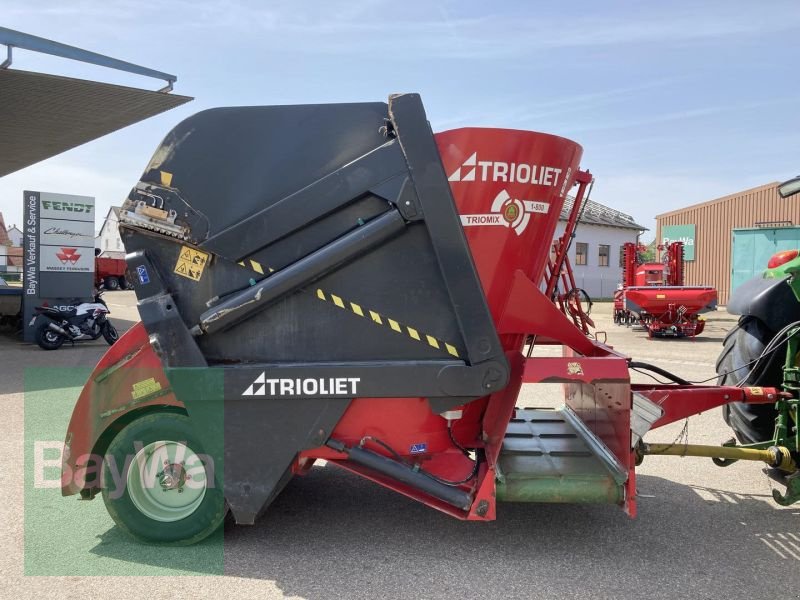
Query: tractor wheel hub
point(166, 481)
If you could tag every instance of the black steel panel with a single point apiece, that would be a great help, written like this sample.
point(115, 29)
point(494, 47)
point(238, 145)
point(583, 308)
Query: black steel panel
point(320, 233)
point(262, 440)
point(422, 283)
point(313, 202)
point(233, 162)
point(447, 235)
point(239, 306)
point(252, 442)
point(169, 336)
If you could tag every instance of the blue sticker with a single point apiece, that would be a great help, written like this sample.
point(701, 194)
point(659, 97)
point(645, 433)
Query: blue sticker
point(419, 448)
point(143, 276)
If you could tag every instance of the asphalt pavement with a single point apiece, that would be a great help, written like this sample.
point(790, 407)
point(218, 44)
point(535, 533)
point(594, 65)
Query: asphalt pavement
point(701, 532)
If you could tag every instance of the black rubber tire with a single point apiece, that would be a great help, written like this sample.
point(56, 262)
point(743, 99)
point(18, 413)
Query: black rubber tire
point(46, 339)
point(112, 283)
point(123, 283)
point(110, 333)
point(155, 427)
point(751, 422)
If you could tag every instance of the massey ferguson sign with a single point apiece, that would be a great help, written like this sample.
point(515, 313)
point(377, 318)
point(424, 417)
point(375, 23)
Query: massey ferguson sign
point(65, 259)
point(66, 236)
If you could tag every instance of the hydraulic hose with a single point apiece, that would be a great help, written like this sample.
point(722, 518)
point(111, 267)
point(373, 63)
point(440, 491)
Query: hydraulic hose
point(664, 373)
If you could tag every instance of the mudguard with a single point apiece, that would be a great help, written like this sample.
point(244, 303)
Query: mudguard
point(772, 301)
point(127, 381)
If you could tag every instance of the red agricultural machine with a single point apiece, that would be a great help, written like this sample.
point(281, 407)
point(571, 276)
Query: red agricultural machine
point(336, 282)
point(654, 295)
point(111, 272)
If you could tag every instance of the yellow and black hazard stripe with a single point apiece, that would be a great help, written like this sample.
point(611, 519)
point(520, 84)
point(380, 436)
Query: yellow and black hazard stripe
point(255, 266)
point(385, 321)
point(373, 316)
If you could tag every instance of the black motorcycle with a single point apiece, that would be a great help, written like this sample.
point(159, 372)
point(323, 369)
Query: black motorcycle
point(73, 323)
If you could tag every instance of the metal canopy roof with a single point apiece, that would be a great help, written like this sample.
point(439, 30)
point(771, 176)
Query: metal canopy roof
point(43, 115)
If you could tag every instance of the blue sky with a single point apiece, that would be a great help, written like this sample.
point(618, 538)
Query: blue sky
point(674, 103)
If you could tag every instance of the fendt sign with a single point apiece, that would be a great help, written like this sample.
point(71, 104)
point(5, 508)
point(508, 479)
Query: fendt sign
point(58, 247)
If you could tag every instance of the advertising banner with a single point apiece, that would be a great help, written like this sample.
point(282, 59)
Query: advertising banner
point(680, 233)
point(66, 259)
point(61, 232)
point(58, 251)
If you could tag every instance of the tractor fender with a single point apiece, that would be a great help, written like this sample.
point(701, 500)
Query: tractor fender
point(772, 301)
point(128, 381)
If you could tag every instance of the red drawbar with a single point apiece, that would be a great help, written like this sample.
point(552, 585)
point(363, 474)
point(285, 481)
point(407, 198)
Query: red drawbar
point(681, 401)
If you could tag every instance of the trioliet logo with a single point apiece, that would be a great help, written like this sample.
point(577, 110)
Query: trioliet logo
point(323, 386)
point(507, 212)
point(473, 169)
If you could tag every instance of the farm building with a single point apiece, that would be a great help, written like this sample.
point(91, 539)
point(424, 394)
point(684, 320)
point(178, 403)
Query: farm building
point(596, 251)
point(730, 239)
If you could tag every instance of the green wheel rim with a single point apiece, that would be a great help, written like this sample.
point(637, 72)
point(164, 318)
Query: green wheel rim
point(167, 481)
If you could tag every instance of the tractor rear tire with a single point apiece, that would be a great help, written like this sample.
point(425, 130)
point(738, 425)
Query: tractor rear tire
point(158, 486)
point(744, 343)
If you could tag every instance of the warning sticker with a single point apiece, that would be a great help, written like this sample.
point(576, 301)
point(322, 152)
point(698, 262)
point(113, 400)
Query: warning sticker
point(574, 368)
point(191, 263)
point(145, 388)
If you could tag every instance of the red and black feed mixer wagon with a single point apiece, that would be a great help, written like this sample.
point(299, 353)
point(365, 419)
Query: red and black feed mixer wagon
point(337, 283)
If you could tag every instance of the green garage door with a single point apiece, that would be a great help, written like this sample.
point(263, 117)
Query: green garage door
point(752, 249)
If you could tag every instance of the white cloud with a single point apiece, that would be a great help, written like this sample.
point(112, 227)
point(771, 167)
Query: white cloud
point(421, 30)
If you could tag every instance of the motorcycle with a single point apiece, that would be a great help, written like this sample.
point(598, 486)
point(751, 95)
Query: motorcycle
point(73, 323)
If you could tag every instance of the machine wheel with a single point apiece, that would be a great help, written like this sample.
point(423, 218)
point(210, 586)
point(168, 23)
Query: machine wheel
point(112, 283)
point(110, 333)
point(47, 339)
point(123, 283)
point(751, 422)
point(166, 493)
